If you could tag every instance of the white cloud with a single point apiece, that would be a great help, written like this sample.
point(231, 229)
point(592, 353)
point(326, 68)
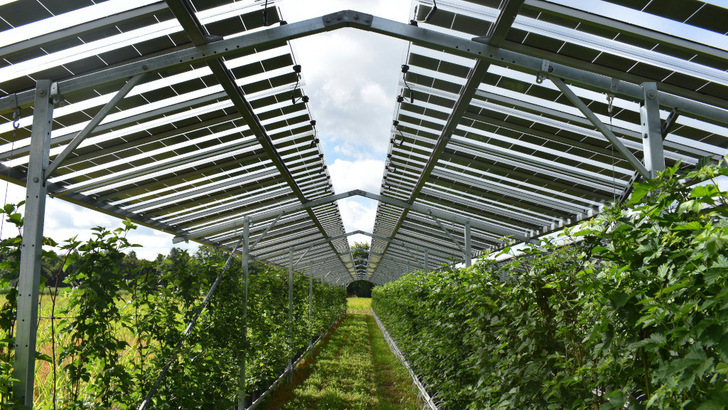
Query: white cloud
point(351, 75)
point(361, 174)
point(358, 214)
point(64, 220)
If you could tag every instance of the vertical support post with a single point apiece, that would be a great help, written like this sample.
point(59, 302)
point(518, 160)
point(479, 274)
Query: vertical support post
point(30, 258)
point(310, 311)
point(290, 315)
point(652, 130)
point(468, 251)
point(246, 269)
point(427, 260)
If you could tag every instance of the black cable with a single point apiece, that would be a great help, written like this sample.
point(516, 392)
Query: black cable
point(265, 13)
point(405, 69)
point(396, 127)
point(432, 11)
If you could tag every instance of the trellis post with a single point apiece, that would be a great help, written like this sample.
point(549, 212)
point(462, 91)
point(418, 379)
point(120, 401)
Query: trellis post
point(468, 251)
point(32, 245)
point(246, 266)
point(290, 315)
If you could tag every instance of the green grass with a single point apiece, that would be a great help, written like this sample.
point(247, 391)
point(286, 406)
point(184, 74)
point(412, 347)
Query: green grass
point(354, 370)
point(358, 305)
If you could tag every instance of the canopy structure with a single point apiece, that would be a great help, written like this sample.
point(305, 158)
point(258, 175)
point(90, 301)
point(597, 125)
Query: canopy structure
point(513, 119)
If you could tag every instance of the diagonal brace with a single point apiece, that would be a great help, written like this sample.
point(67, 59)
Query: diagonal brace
point(452, 238)
point(96, 120)
point(608, 134)
point(270, 226)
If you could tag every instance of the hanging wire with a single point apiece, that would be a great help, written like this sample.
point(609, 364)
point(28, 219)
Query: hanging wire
point(265, 13)
point(610, 109)
point(188, 329)
point(304, 98)
point(405, 69)
point(432, 11)
point(315, 139)
point(395, 123)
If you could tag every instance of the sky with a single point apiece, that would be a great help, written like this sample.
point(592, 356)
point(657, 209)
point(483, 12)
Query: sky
point(351, 78)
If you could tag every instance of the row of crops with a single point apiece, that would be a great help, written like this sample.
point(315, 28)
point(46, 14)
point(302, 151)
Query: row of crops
point(629, 310)
point(104, 340)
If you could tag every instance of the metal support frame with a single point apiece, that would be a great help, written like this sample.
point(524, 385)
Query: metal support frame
point(96, 120)
point(652, 130)
point(265, 232)
point(246, 270)
point(32, 246)
point(468, 250)
point(188, 330)
point(197, 32)
point(608, 134)
point(439, 213)
point(80, 29)
point(310, 310)
point(449, 235)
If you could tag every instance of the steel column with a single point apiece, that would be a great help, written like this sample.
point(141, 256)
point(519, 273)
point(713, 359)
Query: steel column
point(310, 311)
point(30, 256)
point(468, 250)
point(246, 268)
point(290, 315)
point(652, 130)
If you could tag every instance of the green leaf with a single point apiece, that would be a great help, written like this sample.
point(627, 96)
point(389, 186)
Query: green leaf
point(43, 357)
point(638, 192)
point(702, 191)
point(687, 226)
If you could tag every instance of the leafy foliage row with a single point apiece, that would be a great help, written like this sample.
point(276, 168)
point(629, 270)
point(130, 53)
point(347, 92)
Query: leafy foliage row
point(631, 310)
point(121, 324)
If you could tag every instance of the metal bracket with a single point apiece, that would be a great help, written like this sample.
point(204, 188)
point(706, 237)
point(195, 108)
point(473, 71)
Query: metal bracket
point(613, 86)
point(669, 122)
point(55, 93)
point(545, 69)
point(347, 17)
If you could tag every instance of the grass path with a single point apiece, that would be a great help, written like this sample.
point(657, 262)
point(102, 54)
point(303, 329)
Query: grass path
point(354, 370)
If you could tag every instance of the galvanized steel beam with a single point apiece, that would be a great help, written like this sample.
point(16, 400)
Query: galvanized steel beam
point(652, 130)
point(32, 246)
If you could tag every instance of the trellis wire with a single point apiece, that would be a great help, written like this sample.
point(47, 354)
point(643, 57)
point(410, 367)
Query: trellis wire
point(429, 403)
point(189, 328)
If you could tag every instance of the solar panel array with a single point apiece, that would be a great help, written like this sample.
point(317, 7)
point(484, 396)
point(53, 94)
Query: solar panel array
point(176, 153)
point(511, 151)
point(489, 140)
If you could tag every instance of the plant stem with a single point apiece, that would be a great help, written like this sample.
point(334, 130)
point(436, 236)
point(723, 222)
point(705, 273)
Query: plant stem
point(646, 373)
